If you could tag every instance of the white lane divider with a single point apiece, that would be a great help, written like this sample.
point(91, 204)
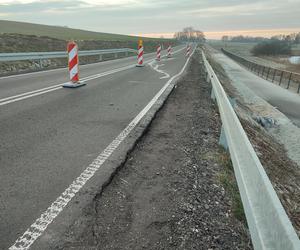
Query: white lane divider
point(156, 68)
point(42, 91)
point(26, 95)
point(41, 224)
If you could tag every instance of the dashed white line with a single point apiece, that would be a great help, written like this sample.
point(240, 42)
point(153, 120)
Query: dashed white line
point(41, 224)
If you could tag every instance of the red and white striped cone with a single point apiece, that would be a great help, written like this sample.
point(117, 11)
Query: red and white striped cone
point(73, 63)
point(188, 50)
point(158, 52)
point(140, 62)
point(169, 51)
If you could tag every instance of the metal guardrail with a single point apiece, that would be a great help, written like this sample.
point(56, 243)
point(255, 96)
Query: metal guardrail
point(6, 57)
point(269, 225)
point(288, 79)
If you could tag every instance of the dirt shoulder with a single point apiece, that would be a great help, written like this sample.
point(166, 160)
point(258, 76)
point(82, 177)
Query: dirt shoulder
point(168, 194)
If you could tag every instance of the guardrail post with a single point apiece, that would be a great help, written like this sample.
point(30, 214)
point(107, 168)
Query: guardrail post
point(281, 77)
point(289, 80)
point(100, 58)
point(268, 73)
point(222, 139)
point(209, 80)
point(116, 55)
point(298, 88)
point(263, 71)
point(275, 71)
point(41, 63)
point(251, 67)
point(126, 53)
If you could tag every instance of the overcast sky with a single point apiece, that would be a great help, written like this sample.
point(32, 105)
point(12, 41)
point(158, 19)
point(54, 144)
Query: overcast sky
point(160, 17)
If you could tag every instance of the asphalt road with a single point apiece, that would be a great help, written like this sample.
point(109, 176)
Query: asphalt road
point(284, 100)
point(48, 139)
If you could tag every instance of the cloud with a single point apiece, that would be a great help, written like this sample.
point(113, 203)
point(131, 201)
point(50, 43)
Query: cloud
point(156, 16)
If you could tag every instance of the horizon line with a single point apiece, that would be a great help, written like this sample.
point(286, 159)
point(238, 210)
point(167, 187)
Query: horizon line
point(218, 34)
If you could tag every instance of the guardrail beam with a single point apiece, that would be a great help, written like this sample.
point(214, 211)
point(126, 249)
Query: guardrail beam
point(269, 225)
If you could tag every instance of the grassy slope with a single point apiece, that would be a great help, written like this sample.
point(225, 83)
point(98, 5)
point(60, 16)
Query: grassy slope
point(60, 32)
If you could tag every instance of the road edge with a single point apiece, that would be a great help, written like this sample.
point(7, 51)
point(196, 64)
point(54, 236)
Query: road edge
point(95, 186)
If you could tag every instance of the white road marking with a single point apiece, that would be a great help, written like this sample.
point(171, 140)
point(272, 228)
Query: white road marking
point(65, 68)
point(30, 94)
point(155, 67)
point(26, 95)
point(41, 224)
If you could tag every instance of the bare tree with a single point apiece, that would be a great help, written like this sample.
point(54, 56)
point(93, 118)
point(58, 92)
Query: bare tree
point(225, 39)
point(189, 34)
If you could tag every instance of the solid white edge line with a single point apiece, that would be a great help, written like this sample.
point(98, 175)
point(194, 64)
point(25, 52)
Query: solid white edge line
point(46, 218)
point(23, 96)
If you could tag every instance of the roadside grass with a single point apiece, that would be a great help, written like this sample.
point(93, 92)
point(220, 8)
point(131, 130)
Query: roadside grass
point(243, 49)
point(227, 180)
point(61, 32)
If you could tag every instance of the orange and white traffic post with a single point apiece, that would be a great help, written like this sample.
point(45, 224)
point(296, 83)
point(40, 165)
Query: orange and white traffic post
point(169, 51)
point(158, 52)
point(73, 63)
point(188, 50)
point(140, 62)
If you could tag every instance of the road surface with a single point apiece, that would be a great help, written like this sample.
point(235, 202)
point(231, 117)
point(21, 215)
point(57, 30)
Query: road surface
point(50, 134)
point(284, 100)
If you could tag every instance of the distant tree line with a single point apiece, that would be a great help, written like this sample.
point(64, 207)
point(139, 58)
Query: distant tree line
point(189, 34)
point(272, 47)
point(293, 38)
point(276, 45)
point(243, 39)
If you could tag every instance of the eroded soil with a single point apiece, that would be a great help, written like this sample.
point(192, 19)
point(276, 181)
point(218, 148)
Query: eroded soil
point(168, 194)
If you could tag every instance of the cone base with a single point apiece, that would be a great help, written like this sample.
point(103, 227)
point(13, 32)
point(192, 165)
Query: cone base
point(140, 65)
point(73, 85)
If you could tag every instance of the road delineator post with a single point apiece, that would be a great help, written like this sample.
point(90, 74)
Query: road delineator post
point(158, 52)
point(188, 50)
point(73, 65)
point(140, 62)
point(169, 51)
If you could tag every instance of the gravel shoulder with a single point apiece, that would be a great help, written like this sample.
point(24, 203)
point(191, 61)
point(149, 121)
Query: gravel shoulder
point(169, 194)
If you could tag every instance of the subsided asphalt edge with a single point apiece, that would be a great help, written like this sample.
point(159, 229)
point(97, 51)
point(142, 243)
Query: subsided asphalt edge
point(54, 235)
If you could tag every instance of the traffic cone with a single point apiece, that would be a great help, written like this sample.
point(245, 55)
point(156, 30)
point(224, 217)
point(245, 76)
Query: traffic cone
point(140, 62)
point(169, 51)
point(188, 50)
point(158, 52)
point(73, 63)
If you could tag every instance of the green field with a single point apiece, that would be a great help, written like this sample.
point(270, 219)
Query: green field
point(237, 47)
point(244, 48)
point(61, 32)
